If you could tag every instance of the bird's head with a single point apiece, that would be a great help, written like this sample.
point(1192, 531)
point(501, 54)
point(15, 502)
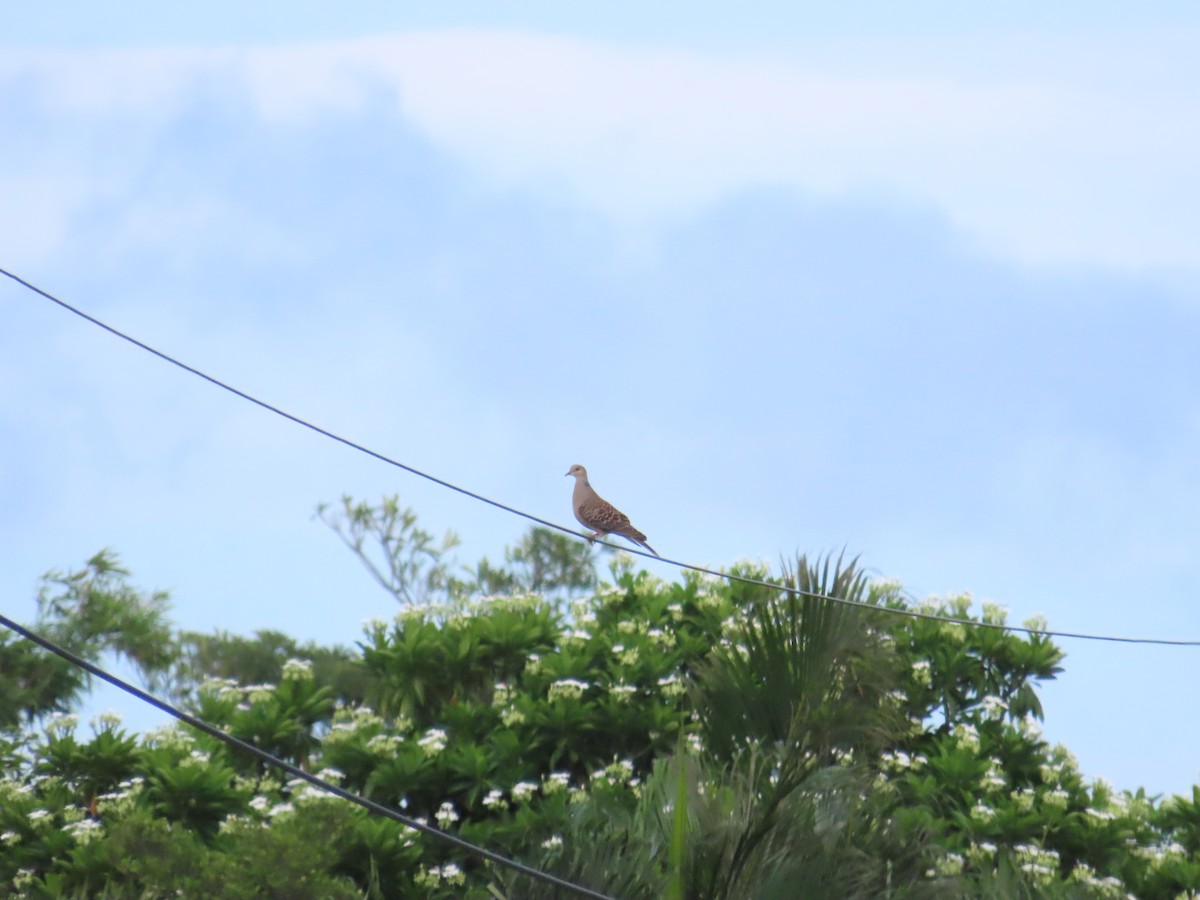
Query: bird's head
point(578, 471)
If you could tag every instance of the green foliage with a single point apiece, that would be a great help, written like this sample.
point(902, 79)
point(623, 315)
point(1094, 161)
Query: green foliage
point(89, 769)
point(829, 671)
point(545, 562)
point(260, 660)
point(91, 611)
point(403, 558)
point(409, 564)
point(699, 739)
point(771, 799)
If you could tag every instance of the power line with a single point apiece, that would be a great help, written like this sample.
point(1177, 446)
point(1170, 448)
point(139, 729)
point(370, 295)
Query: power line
point(296, 771)
point(902, 611)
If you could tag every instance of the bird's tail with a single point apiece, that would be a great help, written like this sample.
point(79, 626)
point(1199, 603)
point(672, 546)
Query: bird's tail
point(634, 536)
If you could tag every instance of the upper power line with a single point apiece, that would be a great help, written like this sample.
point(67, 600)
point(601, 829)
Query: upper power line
point(901, 611)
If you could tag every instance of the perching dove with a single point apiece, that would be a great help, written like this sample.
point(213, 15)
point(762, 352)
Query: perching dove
point(596, 513)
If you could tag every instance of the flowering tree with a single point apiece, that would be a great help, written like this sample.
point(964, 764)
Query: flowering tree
point(699, 738)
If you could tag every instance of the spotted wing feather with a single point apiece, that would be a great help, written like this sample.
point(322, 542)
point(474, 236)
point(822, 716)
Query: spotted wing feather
point(602, 516)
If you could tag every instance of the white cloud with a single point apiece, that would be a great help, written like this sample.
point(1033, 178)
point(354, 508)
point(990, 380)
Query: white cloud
point(1055, 165)
point(108, 83)
point(1059, 152)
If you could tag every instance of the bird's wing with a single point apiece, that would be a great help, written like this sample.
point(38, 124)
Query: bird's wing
point(599, 514)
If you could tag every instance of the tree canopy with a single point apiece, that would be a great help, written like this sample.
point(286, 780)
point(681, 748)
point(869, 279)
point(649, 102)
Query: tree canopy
point(699, 738)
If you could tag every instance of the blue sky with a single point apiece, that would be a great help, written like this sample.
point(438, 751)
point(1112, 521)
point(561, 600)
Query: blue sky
point(923, 286)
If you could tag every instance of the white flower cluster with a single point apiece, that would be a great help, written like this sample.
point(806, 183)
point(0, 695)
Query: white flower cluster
point(511, 717)
point(627, 658)
point(501, 694)
point(501, 699)
point(196, 759)
point(1162, 854)
point(994, 613)
point(614, 774)
point(495, 800)
point(1129, 804)
point(1056, 799)
point(671, 686)
point(896, 761)
point(106, 721)
point(1042, 864)
point(922, 672)
point(446, 815)
point(931, 605)
point(233, 821)
point(1037, 623)
point(1024, 798)
point(347, 723)
point(259, 693)
point(567, 689)
point(434, 742)
point(222, 688)
point(993, 778)
point(23, 878)
point(449, 874)
point(947, 866)
point(385, 744)
point(622, 691)
point(966, 736)
point(958, 606)
point(297, 670)
point(1062, 764)
point(83, 831)
point(422, 612)
point(122, 799)
point(1108, 888)
point(304, 792)
point(981, 812)
point(61, 724)
point(993, 706)
point(609, 595)
point(523, 790)
point(663, 639)
point(534, 603)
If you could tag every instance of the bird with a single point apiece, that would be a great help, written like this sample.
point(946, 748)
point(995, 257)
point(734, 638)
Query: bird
point(596, 513)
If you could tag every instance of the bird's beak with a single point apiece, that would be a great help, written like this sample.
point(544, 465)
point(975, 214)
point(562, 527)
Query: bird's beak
point(566, 474)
